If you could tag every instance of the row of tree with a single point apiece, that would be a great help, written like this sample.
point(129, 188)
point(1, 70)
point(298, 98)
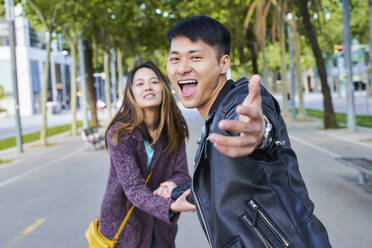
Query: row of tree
point(122, 32)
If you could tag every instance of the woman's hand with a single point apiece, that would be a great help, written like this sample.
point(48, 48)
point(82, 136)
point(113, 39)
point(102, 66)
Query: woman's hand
point(182, 205)
point(165, 189)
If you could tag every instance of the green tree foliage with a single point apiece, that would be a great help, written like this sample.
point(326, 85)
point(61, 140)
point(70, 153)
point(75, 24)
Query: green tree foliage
point(2, 8)
point(359, 20)
point(273, 52)
point(138, 29)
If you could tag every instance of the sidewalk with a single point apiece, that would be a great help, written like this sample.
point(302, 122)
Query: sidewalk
point(362, 136)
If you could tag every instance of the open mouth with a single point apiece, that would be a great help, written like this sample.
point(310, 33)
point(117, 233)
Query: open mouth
point(187, 87)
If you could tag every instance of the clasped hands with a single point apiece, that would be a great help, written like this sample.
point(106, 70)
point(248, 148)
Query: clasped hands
point(179, 205)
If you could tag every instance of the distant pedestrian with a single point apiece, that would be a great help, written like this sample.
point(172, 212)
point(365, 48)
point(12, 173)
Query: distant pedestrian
point(147, 134)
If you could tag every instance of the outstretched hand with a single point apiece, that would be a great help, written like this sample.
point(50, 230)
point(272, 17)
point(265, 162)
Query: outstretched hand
point(181, 204)
point(251, 125)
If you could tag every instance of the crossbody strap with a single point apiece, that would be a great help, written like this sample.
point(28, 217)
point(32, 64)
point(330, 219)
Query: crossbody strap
point(129, 213)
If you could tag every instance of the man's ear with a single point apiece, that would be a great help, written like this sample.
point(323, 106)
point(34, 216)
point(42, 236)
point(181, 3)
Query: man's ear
point(225, 63)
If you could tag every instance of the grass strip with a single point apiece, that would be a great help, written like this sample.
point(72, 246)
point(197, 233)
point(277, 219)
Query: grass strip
point(30, 137)
point(4, 161)
point(361, 120)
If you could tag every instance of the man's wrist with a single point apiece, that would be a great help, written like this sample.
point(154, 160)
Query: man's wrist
point(266, 137)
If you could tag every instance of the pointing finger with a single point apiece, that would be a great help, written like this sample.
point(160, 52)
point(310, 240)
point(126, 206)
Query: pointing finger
point(249, 111)
point(254, 93)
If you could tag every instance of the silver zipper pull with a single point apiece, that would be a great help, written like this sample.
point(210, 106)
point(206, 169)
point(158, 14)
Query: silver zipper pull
point(280, 142)
point(253, 204)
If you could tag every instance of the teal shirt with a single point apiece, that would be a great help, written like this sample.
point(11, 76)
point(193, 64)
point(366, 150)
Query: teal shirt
point(149, 152)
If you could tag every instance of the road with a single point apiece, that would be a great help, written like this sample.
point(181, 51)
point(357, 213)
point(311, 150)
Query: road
point(49, 195)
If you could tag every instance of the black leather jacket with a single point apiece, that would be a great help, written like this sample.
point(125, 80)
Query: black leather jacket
point(258, 200)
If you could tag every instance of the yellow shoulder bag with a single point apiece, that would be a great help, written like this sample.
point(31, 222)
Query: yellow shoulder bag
point(95, 237)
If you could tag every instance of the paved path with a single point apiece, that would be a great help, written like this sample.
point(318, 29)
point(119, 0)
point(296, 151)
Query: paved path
point(49, 195)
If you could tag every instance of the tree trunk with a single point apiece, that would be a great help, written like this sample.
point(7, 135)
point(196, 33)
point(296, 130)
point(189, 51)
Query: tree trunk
point(260, 27)
point(329, 119)
point(370, 46)
point(265, 70)
point(92, 98)
point(107, 85)
point(44, 94)
point(283, 65)
point(252, 46)
point(73, 99)
point(121, 77)
point(297, 52)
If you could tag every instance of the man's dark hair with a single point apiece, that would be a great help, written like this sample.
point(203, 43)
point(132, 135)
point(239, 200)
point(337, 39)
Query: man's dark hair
point(203, 28)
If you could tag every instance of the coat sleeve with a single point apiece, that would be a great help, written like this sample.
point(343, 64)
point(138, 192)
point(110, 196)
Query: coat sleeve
point(123, 159)
point(180, 174)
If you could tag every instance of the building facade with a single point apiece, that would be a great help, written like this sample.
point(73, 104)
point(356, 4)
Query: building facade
point(31, 57)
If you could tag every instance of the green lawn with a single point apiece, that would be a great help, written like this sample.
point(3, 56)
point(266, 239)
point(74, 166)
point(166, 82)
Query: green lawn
point(30, 137)
point(362, 120)
point(4, 161)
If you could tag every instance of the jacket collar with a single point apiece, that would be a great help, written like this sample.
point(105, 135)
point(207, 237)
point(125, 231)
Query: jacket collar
point(225, 90)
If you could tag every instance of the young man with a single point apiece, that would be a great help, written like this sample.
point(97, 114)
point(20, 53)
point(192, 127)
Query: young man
point(247, 188)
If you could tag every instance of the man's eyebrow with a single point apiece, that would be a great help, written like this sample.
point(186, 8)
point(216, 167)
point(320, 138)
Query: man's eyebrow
point(191, 51)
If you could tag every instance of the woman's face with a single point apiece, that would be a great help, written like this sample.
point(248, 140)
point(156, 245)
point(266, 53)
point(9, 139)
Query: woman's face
point(147, 88)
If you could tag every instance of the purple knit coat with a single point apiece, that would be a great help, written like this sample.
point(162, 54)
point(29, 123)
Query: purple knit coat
point(126, 186)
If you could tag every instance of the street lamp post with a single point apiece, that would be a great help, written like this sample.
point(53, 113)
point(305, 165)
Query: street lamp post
point(9, 8)
point(292, 69)
point(351, 122)
point(113, 77)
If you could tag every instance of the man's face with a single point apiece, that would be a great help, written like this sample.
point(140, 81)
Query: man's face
point(195, 73)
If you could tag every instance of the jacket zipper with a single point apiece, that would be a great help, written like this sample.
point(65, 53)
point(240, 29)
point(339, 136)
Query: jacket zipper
point(269, 223)
point(196, 198)
point(257, 232)
point(202, 216)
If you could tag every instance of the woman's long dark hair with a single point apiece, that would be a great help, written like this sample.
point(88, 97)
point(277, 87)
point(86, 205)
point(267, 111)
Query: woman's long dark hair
point(172, 126)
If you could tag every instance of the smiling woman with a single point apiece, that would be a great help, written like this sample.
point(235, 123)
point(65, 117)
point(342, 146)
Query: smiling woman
point(146, 137)
point(147, 89)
